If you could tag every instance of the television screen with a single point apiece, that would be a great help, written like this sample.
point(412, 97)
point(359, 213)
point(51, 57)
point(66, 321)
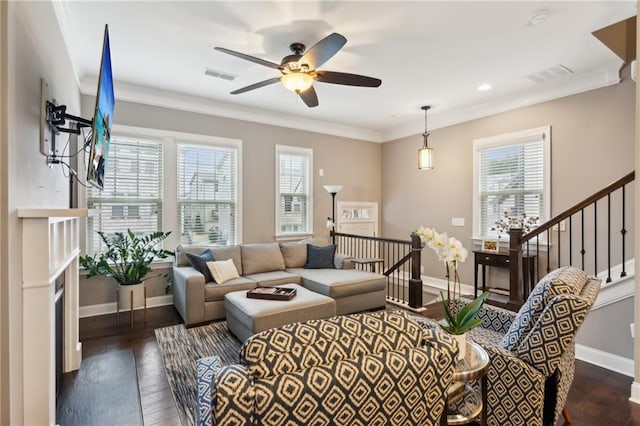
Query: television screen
point(102, 119)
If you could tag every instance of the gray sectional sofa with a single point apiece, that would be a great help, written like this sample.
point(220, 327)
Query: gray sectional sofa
point(271, 264)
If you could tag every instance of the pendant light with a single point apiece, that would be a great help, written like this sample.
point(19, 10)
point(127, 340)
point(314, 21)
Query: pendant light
point(425, 154)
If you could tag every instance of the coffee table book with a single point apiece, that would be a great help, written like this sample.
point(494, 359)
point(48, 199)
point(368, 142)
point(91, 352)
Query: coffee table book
point(271, 293)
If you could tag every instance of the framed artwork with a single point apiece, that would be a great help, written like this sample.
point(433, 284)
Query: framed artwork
point(490, 245)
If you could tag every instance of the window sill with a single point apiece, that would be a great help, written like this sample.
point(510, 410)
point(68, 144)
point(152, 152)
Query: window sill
point(161, 264)
point(293, 237)
point(503, 244)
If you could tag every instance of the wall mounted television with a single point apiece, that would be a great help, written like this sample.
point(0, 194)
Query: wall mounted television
point(102, 119)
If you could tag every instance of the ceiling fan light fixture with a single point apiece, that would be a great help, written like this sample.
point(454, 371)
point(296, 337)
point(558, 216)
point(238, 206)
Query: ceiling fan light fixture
point(297, 81)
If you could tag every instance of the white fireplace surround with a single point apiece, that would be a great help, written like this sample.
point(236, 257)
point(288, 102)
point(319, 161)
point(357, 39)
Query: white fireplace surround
point(50, 248)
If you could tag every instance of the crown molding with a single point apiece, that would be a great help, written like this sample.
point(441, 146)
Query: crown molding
point(166, 99)
point(602, 77)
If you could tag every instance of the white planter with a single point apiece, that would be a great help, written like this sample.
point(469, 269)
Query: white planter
point(125, 293)
point(462, 344)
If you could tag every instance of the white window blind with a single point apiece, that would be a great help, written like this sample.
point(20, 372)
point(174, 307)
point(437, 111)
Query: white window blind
point(512, 177)
point(132, 194)
point(207, 193)
point(293, 198)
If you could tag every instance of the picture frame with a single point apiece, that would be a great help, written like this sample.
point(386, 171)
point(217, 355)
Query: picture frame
point(491, 245)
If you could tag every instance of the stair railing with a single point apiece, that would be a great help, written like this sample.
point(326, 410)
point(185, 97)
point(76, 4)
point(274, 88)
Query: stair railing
point(581, 239)
point(398, 260)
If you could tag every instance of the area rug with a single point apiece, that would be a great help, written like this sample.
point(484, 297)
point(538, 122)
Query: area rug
point(181, 347)
point(103, 392)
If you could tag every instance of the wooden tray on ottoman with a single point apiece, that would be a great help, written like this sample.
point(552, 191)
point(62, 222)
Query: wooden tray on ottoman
point(271, 293)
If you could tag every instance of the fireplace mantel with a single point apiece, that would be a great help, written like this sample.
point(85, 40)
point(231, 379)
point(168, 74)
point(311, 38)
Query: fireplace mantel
point(50, 248)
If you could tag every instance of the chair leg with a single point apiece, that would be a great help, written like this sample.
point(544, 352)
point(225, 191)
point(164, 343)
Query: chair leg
point(567, 417)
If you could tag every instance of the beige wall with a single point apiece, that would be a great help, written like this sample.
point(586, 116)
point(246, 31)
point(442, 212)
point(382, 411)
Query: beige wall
point(352, 163)
point(592, 145)
point(607, 329)
point(34, 48)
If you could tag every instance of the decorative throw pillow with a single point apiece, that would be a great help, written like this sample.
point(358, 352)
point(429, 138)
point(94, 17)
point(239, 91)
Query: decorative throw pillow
point(320, 257)
point(223, 270)
point(199, 263)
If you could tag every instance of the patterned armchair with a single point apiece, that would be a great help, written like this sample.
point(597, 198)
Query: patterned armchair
point(533, 353)
point(364, 369)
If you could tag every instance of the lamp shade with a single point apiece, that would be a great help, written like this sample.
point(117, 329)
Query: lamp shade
point(425, 158)
point(297, 81)
point(333, 189)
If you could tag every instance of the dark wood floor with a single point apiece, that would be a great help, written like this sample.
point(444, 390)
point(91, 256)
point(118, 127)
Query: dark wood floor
point(598, 396)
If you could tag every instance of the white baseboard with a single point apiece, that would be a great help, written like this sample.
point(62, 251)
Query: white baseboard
point(110, 308)
point(606, 360)
point(635, 392)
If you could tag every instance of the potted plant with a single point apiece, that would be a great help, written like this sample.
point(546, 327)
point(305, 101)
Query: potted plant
point(128, 260)
point(457, 322)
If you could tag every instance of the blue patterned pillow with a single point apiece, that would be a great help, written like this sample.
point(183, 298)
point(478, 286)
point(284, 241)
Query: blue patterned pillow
point(199, 263)
point(320, 257)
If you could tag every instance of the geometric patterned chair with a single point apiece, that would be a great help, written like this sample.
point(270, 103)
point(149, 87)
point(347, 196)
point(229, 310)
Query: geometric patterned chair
point(533, 352)
point(378, 368)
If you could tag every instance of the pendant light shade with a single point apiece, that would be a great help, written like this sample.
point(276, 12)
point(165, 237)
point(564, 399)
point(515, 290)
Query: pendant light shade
point(425, 154)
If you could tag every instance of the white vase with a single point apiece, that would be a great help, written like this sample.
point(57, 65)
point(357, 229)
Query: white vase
point(125, 293)
point(462, 344)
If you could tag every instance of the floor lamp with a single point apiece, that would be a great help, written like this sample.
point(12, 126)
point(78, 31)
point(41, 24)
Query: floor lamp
point(331, 222)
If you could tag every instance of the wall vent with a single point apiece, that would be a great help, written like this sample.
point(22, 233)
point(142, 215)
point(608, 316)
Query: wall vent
point(554, 73)
point(219, 74)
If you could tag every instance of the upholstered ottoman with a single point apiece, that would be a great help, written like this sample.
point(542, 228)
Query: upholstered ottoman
point(246, 317)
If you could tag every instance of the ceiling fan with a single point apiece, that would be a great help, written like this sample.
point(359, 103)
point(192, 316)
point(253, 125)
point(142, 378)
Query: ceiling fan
point(299, 70)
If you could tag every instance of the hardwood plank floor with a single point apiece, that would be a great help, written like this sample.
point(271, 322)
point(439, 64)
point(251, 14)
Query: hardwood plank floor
point(598, 396)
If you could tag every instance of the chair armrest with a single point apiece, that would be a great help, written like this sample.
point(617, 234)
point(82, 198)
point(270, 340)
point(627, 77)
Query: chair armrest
point(493, 317)
point(223, 393)
point(188, 293)
point(207, 368)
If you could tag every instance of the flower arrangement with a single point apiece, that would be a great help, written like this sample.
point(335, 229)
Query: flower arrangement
point(506, 222)
point(451, 252)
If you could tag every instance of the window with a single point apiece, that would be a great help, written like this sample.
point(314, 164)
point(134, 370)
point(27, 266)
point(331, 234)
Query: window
point(132, 195)
point(512, 175)
point(207, 194)
point(293, 190)
point(157, 180)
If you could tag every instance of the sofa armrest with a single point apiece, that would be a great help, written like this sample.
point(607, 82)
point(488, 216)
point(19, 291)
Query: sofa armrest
point(342, 261)
point(188, 294)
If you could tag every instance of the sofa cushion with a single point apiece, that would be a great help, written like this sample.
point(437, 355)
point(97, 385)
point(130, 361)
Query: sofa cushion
point(199, 263)
point(258, 258)
point(340, 283)
point(229, 252)
point(223, 270)
point(214, 291)
point(294, 254)
point(320, 257)
point(566, 280)
point(274, 278)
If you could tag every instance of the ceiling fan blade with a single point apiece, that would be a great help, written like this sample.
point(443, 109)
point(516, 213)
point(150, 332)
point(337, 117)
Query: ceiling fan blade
point(256, 85)
point(347, 79)
point(323, 50)
point(309, 97)
point(250, 58)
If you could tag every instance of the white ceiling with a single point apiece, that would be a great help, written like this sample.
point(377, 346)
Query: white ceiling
point(434, 53)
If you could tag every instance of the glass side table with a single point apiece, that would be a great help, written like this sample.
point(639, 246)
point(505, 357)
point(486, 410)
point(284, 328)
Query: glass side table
point(465, 402)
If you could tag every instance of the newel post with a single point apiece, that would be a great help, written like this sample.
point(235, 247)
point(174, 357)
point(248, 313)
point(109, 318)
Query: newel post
point(415, 282)
point(515, 268)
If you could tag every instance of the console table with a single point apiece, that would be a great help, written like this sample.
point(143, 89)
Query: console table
point(502, 260)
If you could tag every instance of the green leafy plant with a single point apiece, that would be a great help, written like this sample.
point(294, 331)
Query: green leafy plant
point(464, 319)
point(128, 257)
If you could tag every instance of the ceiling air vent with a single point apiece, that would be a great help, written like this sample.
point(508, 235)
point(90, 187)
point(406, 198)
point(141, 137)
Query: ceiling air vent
point(554, 73)
point(219, 74)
